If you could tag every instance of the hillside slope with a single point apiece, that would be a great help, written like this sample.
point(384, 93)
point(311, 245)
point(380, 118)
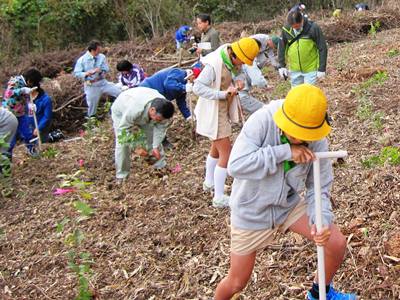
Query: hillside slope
point(158, 237)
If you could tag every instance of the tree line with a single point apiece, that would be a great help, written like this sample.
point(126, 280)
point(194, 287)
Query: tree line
point(41, 25)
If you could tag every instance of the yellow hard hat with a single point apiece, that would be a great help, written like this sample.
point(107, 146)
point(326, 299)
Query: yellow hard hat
point(246, 49)
point(303, 114)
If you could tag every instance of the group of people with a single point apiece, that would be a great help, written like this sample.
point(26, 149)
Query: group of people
point(271, 158)
point(23, 101)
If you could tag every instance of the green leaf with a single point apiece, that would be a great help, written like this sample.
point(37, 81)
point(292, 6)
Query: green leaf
point(86, 196)
point(60, 226)
point(83, 208)
point(74, 239)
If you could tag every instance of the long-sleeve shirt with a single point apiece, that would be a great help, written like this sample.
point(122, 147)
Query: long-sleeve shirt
point(87, 62)
point(181, 35)
point(44, 111)
point(13, 99)
point(203, 85)
point(132, 108)
point(133, 78)
point(210, 36)
point(170, 83)
point(263, 194)
point(264, 51)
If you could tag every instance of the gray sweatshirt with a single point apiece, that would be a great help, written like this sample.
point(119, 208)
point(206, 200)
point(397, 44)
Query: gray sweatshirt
point(262, 193)
point(8, 126)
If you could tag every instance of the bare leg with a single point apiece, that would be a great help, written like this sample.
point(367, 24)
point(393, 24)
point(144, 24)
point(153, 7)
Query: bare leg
point(334, 250)
point(223, 147)
point(238, 276)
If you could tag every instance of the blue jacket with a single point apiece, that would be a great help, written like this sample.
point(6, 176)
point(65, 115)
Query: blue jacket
point(171, 84)
point(181, 34)
point(44, 111)
point(87, 62)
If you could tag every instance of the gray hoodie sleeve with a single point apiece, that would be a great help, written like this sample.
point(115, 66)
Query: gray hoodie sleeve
point(326, 178)
point(252, 160)
point(202, 85)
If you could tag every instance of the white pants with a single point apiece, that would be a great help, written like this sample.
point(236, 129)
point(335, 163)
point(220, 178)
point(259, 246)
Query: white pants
point(94, 91)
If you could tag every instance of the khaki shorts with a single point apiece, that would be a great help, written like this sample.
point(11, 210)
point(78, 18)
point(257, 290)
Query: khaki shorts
point(244, 242)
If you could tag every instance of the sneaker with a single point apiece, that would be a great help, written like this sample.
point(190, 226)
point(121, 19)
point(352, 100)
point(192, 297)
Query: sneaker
point(32, 151)
point(334, 295)
point(207, 188)
point(221, 202)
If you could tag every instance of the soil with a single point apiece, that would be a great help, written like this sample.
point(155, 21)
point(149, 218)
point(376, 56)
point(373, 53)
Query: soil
point(158, 237)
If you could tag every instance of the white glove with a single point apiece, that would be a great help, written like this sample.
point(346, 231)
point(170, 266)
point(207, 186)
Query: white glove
point(283, 72)
point(26, 90)
point(189, 87)
point(320, 75)
point(124, 88)
point(189, 118)
point(34, 108)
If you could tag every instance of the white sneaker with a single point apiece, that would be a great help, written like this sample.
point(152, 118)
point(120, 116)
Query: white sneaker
point(221, 202)
point(207, 188)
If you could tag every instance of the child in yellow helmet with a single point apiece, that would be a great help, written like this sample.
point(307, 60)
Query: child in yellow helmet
point(218, 106)
point(271, 164)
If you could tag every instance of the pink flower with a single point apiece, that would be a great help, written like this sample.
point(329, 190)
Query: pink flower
point(81, 163)
point(81, 133)
point(176, 169)
point(59, 192)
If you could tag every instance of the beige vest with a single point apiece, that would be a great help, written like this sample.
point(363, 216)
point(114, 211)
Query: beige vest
point(207, 110)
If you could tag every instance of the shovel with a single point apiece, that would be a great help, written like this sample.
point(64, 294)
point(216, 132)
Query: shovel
point(318, 214)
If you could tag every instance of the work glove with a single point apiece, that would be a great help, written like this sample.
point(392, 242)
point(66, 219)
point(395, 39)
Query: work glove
point(189, 118)
point(189, 88)
point(283, 73)
point(124, 88)
point(320, 74)
point(26, 90)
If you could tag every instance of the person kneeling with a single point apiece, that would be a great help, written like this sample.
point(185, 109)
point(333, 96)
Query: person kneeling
point(147, 109)
point(271, 162)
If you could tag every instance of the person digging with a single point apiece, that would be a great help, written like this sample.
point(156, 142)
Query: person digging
point(174, 84)
point(271, 162)
point(218, 107)
point(147, 109)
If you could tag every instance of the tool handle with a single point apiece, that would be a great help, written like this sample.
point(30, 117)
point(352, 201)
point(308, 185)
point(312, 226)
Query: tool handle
point(331, 154)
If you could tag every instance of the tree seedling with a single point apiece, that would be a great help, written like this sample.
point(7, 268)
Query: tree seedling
point(79, 261)
point(5, 170)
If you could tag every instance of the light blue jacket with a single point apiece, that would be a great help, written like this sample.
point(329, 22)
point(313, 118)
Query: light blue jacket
point(87, 62)
point(262, 193)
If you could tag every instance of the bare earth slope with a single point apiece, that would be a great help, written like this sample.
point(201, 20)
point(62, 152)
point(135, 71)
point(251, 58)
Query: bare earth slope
point(158, 237)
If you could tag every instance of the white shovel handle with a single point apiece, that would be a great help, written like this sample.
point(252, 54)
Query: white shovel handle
point(318, 214)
